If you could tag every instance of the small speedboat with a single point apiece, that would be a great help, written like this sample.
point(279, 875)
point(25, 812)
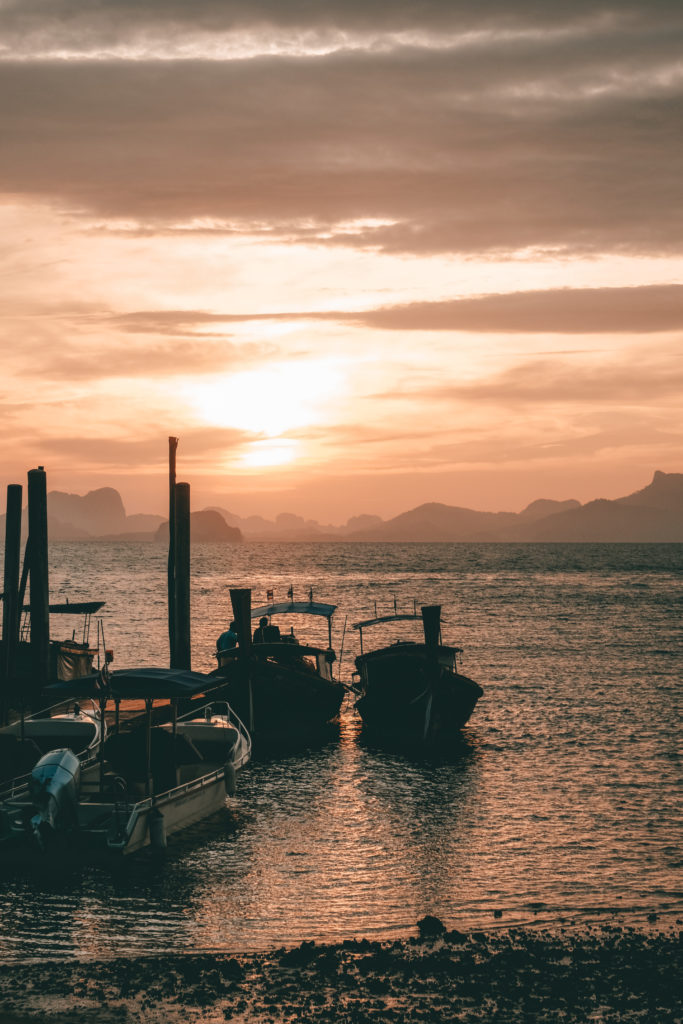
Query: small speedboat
point(149, 781)
point(24, 742)
point(411, 690)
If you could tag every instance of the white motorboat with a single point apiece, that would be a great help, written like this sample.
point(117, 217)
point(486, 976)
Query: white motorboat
point(149, 781)
point(24, 742)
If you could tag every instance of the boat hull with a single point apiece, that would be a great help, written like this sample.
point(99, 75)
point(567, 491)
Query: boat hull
point(276, 699)
point(405, 694)
point(179, 809)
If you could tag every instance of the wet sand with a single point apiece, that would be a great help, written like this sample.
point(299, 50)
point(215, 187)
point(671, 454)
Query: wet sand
point(607, 975)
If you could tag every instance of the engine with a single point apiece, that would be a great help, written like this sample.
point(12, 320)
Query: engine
point(53, 789)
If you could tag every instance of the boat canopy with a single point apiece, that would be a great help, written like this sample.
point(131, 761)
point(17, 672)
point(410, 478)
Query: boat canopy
point(295, 608)
point(70, 607)
point(135, 684)
point(387, 618)
point(76, 608)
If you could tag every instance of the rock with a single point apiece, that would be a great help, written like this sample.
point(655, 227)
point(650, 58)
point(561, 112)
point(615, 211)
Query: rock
point(430, 926)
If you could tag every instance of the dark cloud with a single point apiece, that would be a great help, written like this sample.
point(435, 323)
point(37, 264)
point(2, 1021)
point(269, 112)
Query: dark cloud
point(562, 142)
point(641, 309)
point(549, 382)
point(644, 309)
point(107, 22)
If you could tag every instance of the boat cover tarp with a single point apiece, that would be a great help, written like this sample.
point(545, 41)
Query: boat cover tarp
point(135, 684)
point(294, 608)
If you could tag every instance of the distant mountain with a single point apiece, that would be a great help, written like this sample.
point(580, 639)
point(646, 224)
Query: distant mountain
point(437, 522)
point(96, 512)
point(207, 525)
point(654, 513)
point(543, 507)
point(609, 521)
point(285, 527)
point(664, 493)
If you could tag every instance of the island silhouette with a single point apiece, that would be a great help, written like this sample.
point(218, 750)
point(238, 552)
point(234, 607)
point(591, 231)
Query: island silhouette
point(652, 514)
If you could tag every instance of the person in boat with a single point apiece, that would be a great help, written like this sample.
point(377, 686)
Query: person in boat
point(266, 633)
point(227, 641)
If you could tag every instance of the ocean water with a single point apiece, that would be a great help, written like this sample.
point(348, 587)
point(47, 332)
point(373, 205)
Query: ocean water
point(560, 806)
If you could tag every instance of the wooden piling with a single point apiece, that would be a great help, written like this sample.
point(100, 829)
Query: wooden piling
point(172, 448)
point(241, 610)
point(183, 653)
point(10, 613)
point(431, 622)
point(38, 575)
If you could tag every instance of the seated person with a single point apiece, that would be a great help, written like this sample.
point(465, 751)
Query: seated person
point(271, 634)
point(227, 641)
point(266, 633)
point(260, 631)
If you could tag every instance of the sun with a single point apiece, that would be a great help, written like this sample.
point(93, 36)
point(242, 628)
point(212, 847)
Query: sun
point(271, 400)
point(276, 451)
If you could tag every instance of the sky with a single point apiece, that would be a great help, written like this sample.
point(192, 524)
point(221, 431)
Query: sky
point(356, 256)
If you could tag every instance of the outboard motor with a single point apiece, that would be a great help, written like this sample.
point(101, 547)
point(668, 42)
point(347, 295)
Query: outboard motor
point(53, 788)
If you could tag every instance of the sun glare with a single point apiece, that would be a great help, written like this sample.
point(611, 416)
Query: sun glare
point(275, 452)
point(269, 401)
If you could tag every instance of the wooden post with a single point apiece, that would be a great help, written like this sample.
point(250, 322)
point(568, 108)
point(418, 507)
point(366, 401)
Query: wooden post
point(183, 653)
point(10, 612)
point(172, 448)
point(431, 622)
point(38, 570)
point(241, 610)
point(148, 746)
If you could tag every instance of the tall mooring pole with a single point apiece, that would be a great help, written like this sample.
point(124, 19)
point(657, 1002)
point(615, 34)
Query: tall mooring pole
point(183, 653)
point(11, 613)
point(38, 575)
point(241, 609)
point(172, 448)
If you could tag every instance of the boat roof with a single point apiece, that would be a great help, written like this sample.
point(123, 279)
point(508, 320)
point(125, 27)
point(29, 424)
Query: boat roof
point(135, 684)
point(294, 608)
point(388, 618)
point(70, 607)
point(76, 608)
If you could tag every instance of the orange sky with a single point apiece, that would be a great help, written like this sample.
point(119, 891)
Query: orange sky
point(357, 256)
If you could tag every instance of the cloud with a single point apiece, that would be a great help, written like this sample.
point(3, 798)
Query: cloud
point(73, 347)
point(633, 382)
point(644, 309)
point(635, 310)
point(150, 451)
point(559, 142)
point(30, 26)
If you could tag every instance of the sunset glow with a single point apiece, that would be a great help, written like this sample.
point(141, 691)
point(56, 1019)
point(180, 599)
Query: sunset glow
point(387, 255)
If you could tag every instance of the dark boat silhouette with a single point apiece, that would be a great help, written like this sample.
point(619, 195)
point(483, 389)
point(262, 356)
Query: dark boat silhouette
point(413, 691)
point(283, 687)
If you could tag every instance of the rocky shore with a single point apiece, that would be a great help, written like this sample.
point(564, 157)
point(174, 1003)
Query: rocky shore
point(606, 975)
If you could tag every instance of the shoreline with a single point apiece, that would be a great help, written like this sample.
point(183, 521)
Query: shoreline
point(607, 974)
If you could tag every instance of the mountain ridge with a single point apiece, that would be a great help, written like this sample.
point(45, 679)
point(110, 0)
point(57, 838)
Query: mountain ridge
point(653, 513)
